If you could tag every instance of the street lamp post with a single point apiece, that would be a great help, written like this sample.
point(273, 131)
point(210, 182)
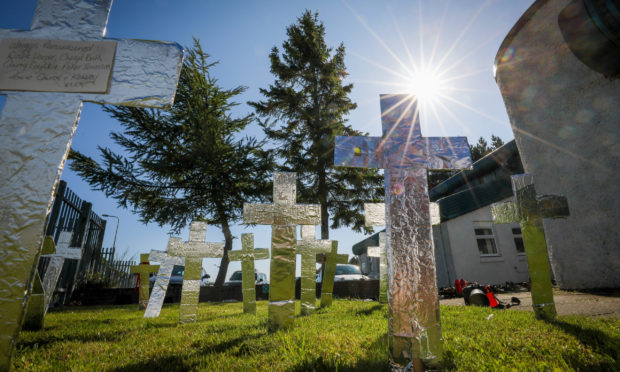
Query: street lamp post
point(118, 222)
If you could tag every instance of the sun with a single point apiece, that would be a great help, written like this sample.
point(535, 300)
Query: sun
point(427, 85)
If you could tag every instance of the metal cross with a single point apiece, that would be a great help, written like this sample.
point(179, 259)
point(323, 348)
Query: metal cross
point(166, 265)
point(144, 269)
point(247, 255)
point(529, 210)
point(283, 215)
point(375, 216)
point(414, 329)
point(329, 261)
point(308, 247)
point(194, 251)
point(37, 128)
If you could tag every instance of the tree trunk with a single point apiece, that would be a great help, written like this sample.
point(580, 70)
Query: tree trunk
point(228, 238)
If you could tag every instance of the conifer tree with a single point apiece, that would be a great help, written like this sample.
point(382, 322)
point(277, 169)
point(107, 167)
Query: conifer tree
point(184, 163)
point(302, 111)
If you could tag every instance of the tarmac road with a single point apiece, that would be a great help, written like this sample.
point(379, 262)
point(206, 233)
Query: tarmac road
point(601, 304)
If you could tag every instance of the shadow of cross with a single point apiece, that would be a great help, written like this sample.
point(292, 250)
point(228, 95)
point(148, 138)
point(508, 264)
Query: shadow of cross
point(40, 114)
point(247, 255)
point(166, 265)
point(375, 216)
point(43, 290)
point(329, 261)
point(529, 209)
point(414, 329)
point(283, 216)
point(144, 269)
point(308, 247)
point(194, 251)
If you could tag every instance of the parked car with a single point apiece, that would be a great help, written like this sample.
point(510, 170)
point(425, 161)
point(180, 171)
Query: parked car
point(345, 272)
point(236, 278)
point(177, 276)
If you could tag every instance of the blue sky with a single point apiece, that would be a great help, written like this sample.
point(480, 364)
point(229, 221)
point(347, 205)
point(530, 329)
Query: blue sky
point(384, 40)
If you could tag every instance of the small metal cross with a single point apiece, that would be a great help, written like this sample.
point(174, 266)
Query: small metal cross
point(247, 255)
point(144, 269)
point(308, 247)
point(166, 265)
point(329, 261)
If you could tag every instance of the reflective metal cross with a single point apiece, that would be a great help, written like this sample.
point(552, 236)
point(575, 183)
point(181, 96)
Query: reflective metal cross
point(529, 210)
point(414, 329)
point(329, 261)
point(375, 216)
point(37, 128)
point(144, 269)
point(308, 247)
point(247, 255)
point(166, 266)
point(193, 251)
point(283, 215)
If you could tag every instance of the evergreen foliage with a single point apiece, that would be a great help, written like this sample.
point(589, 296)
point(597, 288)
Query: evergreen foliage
point(185, 163)
point(310, 101)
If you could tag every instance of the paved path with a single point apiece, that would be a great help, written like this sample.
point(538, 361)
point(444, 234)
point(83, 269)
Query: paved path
point(567, 303)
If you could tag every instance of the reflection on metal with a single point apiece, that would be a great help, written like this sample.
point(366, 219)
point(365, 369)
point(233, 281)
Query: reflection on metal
point(375, 216)
point(57, 254)
point(144, 270)
point(37, 128)
point(329, 262)
point(308, 247)
point(193, 251)
point(247, 255)
point(283, 215)
point(166, 265)
point(529, 210)
point(414, 328)
point(35, 309)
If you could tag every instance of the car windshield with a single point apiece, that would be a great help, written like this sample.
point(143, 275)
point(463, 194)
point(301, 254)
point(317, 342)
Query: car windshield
point(347, 270)
point(236, 276)
point(178, 270)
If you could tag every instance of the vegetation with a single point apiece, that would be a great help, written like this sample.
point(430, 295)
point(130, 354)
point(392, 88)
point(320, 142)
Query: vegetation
point(348, 336)
point(311, 102)
point(185, 163)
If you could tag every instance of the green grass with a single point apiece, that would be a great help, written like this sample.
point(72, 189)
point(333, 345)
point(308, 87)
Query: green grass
point(349, 336)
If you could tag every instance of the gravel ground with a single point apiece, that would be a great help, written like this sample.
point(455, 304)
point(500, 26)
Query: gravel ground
point(603, 304)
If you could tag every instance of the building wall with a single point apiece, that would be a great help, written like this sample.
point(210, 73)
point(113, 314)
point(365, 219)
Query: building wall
point(457, 237)
point(564, 116)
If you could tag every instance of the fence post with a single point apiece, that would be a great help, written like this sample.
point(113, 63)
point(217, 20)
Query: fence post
point(79, 238)
point(53, 216)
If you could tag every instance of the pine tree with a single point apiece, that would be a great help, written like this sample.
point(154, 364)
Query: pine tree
point(310, 101)
point(185, 163)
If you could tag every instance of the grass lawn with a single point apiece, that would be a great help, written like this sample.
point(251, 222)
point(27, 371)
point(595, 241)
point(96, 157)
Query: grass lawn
point(349, 336)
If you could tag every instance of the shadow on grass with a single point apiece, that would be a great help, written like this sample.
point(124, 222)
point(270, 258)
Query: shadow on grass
point(597, 341)
point(93, 336)
point(225, 346)
point(376, 307)
point(163, 363)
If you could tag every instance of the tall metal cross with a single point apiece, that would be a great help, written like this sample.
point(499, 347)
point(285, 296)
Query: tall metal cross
point(375, 216)
point(283, 215)
point(194, 251)
point(144, 269)
point(247, 255)
point(329, 261)
point(166, 265)
point(308, 247)
point(37, 128)
point(414, 328)
point(529, 209)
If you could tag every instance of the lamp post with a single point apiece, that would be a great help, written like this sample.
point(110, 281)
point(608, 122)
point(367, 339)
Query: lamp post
point(118, 221)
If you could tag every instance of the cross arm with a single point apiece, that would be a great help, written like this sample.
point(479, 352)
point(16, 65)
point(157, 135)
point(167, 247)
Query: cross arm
point(49, 247)
point(162, 257)
point(313, 246)
point(256, 254)
point(552, 206)
point(145, 73)
point(143, 269)
point(447, 153)
point(505, 212)
point(342, 258)
point(358, 151)
point(258, 214)
point(374, 214)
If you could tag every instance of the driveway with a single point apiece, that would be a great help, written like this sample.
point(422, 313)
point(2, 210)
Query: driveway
point(604, 304)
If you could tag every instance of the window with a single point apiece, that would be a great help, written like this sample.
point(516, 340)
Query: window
point(518, 238)
point(485, 238)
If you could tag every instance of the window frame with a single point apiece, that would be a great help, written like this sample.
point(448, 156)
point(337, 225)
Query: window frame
point(515, 236)
point(490, 226)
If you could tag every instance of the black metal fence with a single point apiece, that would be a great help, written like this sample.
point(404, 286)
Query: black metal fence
point(71, 213)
